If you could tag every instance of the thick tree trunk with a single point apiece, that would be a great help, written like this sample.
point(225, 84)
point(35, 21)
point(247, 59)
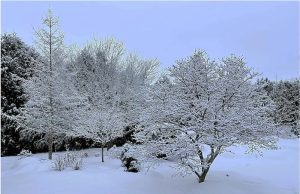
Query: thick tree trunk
point(202, 177)
point(102, 155)
point(212, 156)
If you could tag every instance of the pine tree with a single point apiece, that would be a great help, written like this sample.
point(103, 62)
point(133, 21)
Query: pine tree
point(286, 98)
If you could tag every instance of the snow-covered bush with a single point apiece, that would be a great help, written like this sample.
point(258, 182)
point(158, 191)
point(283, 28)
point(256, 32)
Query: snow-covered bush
point(59, 163)
point(77, 164)
point(74, 159)
point(24, 153)
point(296, 131)
point(128, 159)
point(84, 154)
point(70, 159)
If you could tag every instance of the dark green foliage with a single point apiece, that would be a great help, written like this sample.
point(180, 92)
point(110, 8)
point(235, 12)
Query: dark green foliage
point(17, 60)
point(76, 143)
point(285, 95)
point(10, 144)
point(126, 138)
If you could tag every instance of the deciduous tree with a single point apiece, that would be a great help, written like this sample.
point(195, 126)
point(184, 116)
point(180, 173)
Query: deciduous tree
point(203, 108)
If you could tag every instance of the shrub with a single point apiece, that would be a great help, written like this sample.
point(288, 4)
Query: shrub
point(59, 163)
point(24, 153)
point(84, 155)
point(296, 130)
point(70, 159)
point(77, 164)
point(129, 161)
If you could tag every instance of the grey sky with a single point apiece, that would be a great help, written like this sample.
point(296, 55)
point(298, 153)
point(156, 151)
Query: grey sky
point(265, 33)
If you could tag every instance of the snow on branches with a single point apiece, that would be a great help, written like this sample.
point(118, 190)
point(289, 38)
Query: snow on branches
point(206, 104)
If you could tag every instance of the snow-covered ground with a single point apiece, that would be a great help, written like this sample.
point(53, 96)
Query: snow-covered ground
point(276, 172)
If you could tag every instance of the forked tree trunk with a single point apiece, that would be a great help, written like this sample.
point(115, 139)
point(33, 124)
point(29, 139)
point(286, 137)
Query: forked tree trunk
point(202, 176)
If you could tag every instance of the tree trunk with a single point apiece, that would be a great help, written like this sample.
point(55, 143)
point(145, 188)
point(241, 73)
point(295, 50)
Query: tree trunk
point(210, 159)
point(50, 145)
point(102, 149)
point(202, 177)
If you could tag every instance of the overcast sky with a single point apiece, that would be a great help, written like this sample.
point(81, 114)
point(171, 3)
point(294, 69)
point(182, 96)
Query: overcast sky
point(265, 33)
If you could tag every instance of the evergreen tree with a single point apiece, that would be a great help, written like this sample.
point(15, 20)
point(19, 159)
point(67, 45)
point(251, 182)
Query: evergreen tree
point(285, 95)
point(17, 63)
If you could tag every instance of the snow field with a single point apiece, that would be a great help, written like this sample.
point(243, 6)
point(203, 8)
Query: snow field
point(276, 172)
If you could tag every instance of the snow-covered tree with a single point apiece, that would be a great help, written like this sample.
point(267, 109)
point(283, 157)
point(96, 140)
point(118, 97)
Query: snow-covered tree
point(204, 107)
point(96, 79)
point(102, 124)
point(50, 90)
point(111, 84)
point(135, 78)
point(285, 95)
point(17, 63)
